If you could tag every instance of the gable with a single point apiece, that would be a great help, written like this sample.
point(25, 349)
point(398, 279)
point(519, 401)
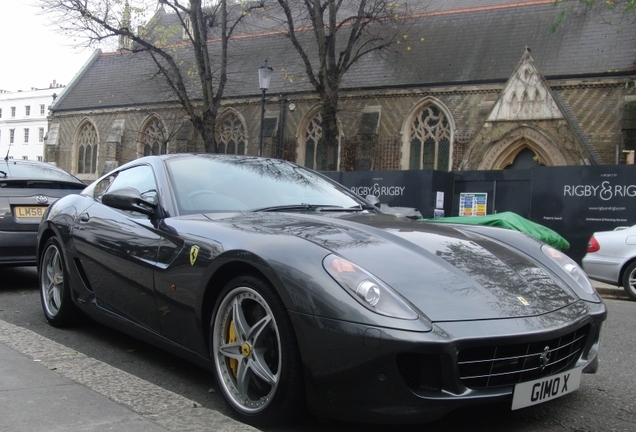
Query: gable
point(526, 96)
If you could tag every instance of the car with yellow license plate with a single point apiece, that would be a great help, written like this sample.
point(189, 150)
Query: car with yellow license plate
point(27, 188)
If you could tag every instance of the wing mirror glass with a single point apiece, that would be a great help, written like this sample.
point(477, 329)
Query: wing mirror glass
point(129, 199)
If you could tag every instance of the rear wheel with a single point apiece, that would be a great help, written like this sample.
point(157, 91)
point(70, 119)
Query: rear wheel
point(255, 353)
point(629, 280)
point(54, 289)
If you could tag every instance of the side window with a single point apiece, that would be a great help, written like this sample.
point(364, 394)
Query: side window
point(140, 177)
point(101, 186)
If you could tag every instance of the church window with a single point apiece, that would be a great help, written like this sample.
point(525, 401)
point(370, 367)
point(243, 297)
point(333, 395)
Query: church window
point(153, 138)
point(430, 140)
point(230, 135)
point(314, 156)
point(87, 149)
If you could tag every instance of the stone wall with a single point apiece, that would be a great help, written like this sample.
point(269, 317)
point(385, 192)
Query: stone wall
point(595, 107)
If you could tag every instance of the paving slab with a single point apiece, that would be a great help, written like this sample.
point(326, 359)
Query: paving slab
point(34, 398)
point(46, 386)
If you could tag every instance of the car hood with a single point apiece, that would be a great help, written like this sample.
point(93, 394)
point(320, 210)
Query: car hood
point(449, 273)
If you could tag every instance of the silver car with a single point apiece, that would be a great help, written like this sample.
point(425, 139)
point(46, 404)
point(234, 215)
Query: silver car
point(611, 258)
point(27, 188)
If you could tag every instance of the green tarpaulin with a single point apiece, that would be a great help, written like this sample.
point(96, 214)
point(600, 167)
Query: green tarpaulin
point(513, 221)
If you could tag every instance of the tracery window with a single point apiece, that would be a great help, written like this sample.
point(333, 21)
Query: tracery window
point(314, 156)
point(430, 140)
point(153, 138)
point(230, 135)
point(87, 149)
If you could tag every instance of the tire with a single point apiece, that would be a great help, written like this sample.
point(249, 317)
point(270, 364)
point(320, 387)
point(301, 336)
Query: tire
point(255, 353)
point(55, 293)
point(629, 280)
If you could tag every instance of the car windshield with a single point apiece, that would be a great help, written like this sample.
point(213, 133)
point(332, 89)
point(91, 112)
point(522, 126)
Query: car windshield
point(36, 171)
point(208, 183)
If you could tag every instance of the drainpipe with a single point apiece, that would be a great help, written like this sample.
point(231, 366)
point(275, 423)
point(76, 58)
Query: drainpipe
point(282, 102)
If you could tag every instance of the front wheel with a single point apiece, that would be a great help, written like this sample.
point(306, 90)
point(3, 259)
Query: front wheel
point(255, 353)
point(55, 292)
point(629, 280)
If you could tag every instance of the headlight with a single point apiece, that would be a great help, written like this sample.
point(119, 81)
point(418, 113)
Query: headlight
point(367, 289)
point(573, 270)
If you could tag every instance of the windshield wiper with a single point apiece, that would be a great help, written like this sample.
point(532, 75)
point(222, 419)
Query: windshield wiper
point(4, 174)
point(309, 207)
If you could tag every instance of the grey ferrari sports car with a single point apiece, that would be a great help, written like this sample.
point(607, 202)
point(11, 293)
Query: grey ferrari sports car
point(299, 295)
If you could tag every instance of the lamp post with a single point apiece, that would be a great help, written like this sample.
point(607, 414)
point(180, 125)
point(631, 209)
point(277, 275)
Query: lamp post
point(264, 75)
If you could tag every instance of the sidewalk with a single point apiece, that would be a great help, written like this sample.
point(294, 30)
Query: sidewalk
point(47, 386)
point(610, 291)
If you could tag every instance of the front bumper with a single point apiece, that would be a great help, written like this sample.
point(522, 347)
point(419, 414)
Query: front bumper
point(379, 375)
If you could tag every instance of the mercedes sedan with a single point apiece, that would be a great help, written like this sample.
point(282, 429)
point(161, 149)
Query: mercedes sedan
point(611, 258)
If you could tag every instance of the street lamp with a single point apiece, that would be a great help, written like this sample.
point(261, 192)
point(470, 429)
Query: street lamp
point(264, 75)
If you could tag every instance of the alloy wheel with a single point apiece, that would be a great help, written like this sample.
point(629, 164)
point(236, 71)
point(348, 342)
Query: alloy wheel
point(52, 281)
point(247, 350)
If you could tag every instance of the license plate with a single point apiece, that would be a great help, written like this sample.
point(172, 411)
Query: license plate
point(545, 389)
point(29, 212)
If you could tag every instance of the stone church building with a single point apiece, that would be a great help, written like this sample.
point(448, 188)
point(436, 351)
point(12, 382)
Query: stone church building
point(475, 85)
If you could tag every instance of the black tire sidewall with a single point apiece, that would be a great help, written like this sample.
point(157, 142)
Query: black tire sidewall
point(629, 271)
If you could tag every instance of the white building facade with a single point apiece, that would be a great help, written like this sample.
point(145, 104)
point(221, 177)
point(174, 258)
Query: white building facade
point(23, 122)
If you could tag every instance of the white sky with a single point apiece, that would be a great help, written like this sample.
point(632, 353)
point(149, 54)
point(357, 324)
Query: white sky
point(32, 54)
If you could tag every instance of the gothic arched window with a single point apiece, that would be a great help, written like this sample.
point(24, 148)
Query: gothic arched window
point(230, 135)
point(153, 138)
point(430, 140)
point(87, 149)
point(314, 156)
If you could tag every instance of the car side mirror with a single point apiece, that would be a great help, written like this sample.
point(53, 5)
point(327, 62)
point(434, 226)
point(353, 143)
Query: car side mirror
point(129, 199)
point(373, 200)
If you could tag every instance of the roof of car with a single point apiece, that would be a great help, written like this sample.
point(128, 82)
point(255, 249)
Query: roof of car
point(34, 170)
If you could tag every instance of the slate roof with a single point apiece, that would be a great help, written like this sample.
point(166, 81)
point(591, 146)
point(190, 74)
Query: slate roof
point(462, 42)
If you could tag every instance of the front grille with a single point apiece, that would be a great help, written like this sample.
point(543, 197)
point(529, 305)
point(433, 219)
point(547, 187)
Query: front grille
point(504, 365)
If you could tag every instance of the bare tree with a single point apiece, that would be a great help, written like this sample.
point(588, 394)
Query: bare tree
point(102, 20)
point(331, 36)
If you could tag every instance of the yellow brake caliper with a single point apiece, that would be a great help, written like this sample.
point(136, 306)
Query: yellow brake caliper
point(232, 339)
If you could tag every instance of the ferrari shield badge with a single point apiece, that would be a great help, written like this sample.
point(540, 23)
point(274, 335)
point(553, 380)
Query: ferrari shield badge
point(194, 253)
